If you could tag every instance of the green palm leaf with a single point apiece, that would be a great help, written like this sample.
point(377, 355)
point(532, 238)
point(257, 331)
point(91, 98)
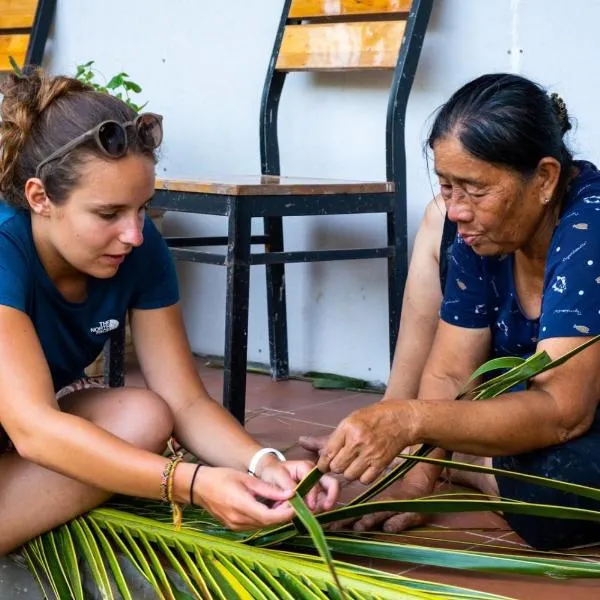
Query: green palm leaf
point(226, 569)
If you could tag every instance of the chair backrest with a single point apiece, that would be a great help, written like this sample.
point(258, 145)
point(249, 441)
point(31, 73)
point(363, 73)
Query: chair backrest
point(349, 35)
point(24, 27)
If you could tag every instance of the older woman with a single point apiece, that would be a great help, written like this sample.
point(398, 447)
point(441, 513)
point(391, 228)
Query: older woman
point(523, 277)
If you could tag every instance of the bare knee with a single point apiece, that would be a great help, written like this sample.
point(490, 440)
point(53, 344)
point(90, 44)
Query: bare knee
point(136, 415)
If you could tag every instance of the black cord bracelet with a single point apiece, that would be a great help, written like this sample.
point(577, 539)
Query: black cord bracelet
point(192, 484)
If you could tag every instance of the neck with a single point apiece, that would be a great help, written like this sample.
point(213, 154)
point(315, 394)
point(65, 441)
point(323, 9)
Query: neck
point(70, 282)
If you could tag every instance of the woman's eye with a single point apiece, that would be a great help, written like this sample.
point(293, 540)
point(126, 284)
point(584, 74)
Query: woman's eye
point(107, 216)
point(477, 194)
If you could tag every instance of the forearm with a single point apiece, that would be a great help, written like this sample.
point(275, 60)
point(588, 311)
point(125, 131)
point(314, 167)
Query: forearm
point(414, 343)
point(511, 424)
point(409, 361)
point(80, 450)
point(223, 443)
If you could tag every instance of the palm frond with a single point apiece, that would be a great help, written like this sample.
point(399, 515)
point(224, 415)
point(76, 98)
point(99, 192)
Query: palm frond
point(206, 566)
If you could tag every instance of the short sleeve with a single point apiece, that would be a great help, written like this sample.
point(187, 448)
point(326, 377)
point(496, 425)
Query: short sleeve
point(15, 274)
point(156, 279)
point(465, 296)
point(570, 306)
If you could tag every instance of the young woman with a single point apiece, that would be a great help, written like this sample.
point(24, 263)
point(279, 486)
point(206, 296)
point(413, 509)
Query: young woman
point(76, 255)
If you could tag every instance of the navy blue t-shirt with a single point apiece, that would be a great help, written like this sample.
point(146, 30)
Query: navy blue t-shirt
point(72, 334)
point(480, 291)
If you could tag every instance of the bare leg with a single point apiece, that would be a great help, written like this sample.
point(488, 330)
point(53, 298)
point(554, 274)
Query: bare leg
point(34, 499)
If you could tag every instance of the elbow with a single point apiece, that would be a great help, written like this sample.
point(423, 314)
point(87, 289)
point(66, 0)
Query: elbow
point(570, 428)
point(24, 445)
point(29, 440)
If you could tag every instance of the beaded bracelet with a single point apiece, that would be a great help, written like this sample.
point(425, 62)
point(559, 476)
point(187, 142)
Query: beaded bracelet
point(167, 483)
point(175, 507)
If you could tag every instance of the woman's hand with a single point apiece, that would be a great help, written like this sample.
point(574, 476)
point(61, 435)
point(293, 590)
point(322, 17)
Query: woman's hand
point(367, 441)
point(283, 474)
point(237, 499)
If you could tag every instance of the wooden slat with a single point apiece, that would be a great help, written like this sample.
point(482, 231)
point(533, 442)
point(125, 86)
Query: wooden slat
point(306, 9)
point(17, 14)
point(269, 185)
point(340, 46)
point(15, 46)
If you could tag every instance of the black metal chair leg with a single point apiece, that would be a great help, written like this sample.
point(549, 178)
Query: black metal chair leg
point(114, 358)
point(236, 314)
point(397, 271)
point(276, 302)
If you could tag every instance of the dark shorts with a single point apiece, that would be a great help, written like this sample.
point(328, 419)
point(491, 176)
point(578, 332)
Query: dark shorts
point(577, 461)
point(84, 383)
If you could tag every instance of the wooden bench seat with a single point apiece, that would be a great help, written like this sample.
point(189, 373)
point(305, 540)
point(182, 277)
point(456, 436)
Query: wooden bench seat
point(271, 185)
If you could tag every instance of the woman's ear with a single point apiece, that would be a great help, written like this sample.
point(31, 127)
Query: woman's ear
point(38, 201)
point(547, 175)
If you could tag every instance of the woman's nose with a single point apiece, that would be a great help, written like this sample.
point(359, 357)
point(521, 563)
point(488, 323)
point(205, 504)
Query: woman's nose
point(131, 235)
point(458, 208)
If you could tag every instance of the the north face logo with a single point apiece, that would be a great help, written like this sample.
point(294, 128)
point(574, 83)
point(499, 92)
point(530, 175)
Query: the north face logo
point(105, 326)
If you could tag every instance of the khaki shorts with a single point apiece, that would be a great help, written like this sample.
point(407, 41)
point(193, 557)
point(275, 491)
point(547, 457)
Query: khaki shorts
point(84, 383)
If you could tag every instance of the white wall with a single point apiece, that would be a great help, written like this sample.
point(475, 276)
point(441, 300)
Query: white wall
point(202, 65)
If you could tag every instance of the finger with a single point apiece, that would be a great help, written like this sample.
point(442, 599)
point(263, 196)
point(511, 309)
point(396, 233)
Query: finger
point(356, 469)
point(340, 525)
point(282, 477)
point(374, 521)
point(402, 521)
point(370, 475)
point(331, 488)
point(267, 490)
point(312, 499)
point(313, 444)
point(250, 513)
point(344, 458)
point(331, 449)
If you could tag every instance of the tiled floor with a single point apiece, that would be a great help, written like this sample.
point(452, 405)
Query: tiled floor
point(278, 412)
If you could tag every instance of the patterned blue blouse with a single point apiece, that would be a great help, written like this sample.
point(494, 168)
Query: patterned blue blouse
point(480, 291)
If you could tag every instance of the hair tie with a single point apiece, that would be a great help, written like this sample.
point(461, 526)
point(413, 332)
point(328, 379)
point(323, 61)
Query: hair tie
point(560, 109)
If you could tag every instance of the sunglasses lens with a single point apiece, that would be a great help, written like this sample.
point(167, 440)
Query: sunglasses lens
point(113, 139)
point(149, 130)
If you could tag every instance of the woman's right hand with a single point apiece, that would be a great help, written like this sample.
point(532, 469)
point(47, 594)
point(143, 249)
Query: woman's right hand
point(237, 499)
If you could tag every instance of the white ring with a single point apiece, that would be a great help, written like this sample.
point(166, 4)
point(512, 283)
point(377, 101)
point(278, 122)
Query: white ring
point(257, 457)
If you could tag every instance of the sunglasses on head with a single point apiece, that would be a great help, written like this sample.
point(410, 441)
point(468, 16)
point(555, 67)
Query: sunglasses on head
point(112, 139)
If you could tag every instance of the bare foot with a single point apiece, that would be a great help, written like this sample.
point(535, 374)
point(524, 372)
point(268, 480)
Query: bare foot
point(394, 522)
point(313, 444)
point(482, 482)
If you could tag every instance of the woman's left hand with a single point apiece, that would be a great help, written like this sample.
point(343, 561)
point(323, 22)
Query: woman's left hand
point(367, 441)
point(288, 474)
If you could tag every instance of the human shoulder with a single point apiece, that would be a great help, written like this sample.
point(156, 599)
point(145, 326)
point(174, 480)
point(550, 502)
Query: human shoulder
point(432, 226)
point(435, 213)
point(583, 195)
point(15, 229)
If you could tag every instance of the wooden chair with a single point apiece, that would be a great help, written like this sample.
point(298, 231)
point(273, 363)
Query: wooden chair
point(24, 27)
point(313, 35)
